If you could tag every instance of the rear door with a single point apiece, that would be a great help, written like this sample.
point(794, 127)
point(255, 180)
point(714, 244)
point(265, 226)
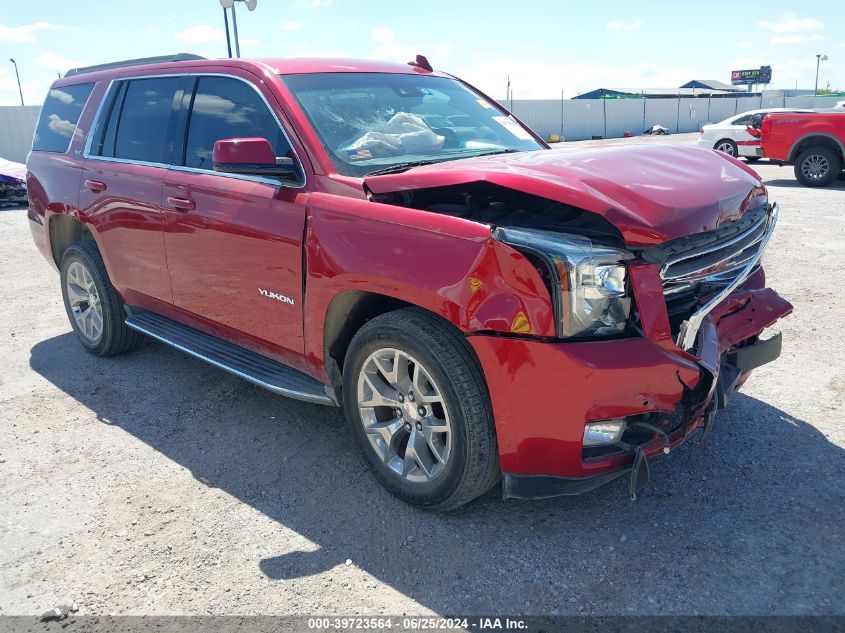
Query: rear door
point(234, 242)
point(126, 161)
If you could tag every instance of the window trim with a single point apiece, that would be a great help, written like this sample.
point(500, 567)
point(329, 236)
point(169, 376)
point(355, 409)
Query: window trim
point(86, 154)
point(93, 85)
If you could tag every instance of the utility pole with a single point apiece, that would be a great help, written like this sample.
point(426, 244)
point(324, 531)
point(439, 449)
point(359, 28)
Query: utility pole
point(819, 58)
point(230, 4)
point(235, 28)
point(228, 39)
point(17, 75)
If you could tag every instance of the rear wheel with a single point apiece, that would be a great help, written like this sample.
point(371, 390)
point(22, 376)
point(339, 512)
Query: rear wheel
point(727, 146)
point(418, 406)
point(91, 302)
point(817, 166)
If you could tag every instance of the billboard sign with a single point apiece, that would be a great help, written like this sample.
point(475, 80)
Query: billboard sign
point(762, 75)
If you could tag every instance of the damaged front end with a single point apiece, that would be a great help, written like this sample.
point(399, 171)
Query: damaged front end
point(701, 298)
point(656, 324)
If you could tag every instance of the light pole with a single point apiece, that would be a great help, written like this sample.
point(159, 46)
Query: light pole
point(819, 58)
point(18, 77)
point(230, 4)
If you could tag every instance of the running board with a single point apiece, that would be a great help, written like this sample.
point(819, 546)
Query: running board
point(255, 368)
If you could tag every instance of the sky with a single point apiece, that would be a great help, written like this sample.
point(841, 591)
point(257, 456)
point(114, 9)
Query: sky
point(547, 47)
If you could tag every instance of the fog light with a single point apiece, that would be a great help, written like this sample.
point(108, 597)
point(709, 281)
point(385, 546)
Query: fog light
point(604, 432)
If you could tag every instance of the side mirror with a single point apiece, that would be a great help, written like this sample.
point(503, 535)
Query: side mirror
point(253, 157)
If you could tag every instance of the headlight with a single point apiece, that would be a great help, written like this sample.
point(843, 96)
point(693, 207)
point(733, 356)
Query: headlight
point(589, 282)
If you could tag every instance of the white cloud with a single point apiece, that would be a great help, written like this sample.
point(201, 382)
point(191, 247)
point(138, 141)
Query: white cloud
point(745, 44)
point(793, 39)
point(200, 34)
point(25, 32)
point(530, 78)
point(389, 49)
point(789, 23)
point(382, 34)
point(624, 26)
point(54, 61)
point(442, 51)
point(34, 90)
point(290, 26)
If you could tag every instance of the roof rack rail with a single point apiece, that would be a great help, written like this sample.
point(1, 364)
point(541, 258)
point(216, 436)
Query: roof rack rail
point(178, 57)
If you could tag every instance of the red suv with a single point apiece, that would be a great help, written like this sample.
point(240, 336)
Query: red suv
point(388, 239)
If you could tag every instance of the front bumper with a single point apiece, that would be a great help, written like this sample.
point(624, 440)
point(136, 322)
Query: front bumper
point(544, 393)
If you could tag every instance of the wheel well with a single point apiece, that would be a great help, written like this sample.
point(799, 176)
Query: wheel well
point(347, 313)
point(64, 231)
point(813, 141)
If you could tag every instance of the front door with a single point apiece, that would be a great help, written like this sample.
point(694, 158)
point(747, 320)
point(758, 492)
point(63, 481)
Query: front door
point(234, 243)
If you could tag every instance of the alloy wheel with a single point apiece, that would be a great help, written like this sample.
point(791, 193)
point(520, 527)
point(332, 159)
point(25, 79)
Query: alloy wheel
point(726, 148)
point(404, 415)
point(815, 167)
point(84, 300)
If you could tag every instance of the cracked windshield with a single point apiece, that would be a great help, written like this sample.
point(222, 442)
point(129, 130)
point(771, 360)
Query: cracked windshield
point(378, 122)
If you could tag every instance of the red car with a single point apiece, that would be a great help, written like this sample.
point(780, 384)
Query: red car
point(813, 142)
point(388, 239)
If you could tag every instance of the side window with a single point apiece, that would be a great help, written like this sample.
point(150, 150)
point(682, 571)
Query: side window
point(223, 107)
point(59, 116)
point(743, 120)
point(141, 121)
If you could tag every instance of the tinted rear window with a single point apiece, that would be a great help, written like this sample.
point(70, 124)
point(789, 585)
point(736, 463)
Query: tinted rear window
point(59, 116)
point(143, 126)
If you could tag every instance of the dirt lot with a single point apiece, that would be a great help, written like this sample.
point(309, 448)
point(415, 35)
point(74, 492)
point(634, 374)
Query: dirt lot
point(155, 484)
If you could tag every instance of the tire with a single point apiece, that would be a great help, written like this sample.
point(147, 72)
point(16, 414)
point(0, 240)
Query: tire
point(817, 166)
point(83, 263)
point(726, 146)
point(751, 159)
point(412, 342)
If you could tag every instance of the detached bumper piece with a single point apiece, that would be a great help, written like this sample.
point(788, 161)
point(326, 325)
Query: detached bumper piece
point(699, 404)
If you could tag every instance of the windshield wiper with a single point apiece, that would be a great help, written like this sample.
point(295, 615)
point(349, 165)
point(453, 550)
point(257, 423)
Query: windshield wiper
point(398, 167)
point(509, 150)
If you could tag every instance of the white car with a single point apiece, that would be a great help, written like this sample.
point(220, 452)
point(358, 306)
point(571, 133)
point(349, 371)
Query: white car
point(840, 105)
point(731, 137)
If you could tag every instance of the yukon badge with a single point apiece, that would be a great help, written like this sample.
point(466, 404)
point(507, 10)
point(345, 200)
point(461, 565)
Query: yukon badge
point(275, 295)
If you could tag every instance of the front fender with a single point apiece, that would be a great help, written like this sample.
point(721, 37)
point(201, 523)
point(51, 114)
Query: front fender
point(449, 266)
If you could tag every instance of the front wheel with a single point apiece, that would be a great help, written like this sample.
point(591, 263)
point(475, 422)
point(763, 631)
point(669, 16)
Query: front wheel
point(818, 166)
point(417, 404)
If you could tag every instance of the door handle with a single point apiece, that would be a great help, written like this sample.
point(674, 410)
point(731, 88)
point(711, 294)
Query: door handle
point(181, 204)
point(95, 185)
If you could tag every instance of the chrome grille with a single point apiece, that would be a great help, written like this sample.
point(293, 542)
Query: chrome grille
point(719, 261)
point(715, 257)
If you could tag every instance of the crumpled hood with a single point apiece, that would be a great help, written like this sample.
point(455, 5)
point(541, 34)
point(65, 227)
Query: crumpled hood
point(651, 193)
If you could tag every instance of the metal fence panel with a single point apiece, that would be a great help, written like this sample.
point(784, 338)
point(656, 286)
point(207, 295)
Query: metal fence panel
point(541, 115)
point(692, 114)
point(808, 101)
point(661, 112)
point(721, 109)
point(827, 102)
point(17, 125)
point(583, 118)
point(624, 115)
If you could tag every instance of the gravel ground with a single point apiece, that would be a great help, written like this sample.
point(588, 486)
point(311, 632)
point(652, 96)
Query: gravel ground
point(155, 484)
